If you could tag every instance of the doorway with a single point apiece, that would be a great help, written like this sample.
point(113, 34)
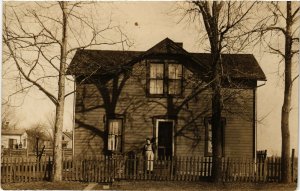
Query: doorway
point(165, 139)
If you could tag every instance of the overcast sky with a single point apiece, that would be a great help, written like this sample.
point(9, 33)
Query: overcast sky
point(147, 23)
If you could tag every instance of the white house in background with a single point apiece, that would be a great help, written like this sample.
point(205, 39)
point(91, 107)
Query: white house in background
point(14, 138)
point(67, 138)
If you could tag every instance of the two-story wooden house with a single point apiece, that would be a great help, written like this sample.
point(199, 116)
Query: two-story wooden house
point(164, 93)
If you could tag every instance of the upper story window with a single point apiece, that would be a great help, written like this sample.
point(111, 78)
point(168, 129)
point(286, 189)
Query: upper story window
point(165, 79)
point(156, 79)
point(175, 79)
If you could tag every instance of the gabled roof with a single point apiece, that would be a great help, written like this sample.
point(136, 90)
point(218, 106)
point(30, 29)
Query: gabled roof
point(102, 62)
point(166, 46)
point(242, 66)
point(13, 131)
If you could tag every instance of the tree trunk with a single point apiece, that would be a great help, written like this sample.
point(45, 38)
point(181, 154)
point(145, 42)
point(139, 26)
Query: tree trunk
point(57, 150)
point(286, 107)
point(217, 123)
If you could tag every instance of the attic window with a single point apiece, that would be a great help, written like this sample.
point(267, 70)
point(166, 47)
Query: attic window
point(165, 79)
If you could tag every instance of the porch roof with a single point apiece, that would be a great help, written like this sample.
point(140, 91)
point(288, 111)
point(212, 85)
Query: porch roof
point(13, 131)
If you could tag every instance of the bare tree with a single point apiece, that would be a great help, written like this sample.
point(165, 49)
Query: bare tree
point(37, 134)
point(282, 24)
point(39, 39)
point(50, 124)
point(8, 116)
point(225, 24)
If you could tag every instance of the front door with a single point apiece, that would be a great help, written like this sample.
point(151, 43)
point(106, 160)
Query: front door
point(165, 139)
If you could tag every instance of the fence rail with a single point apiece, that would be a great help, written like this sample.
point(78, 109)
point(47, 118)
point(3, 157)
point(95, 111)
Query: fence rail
point(108, 169)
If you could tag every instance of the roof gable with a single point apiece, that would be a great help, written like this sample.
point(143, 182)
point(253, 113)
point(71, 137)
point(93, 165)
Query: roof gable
point(166, 46)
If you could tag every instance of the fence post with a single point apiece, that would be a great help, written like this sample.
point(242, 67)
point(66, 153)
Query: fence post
point(292, 164)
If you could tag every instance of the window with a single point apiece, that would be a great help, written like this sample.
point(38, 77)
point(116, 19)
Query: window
point(156, 78)
point(175, 76)
point(115, 135)
point(12, 143)
point(208, 136)
point(165, 78)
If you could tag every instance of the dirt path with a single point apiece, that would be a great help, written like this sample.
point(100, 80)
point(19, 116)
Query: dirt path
point(90, 186)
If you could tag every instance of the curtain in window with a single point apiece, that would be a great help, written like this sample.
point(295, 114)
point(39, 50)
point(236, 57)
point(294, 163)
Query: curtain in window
point(156, 78)
point(208, 136)
point(175, 71)
point(157, 71)
point(209, 139)
point(175, 76)
point(114, 135)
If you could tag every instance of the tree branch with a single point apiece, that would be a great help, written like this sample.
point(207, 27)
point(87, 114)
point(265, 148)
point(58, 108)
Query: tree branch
point(47, 93)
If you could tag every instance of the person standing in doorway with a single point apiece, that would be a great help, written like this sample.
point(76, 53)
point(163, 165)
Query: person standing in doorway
point(149, 155)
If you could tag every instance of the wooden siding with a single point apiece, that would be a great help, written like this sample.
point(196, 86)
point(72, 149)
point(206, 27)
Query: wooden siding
point(140, 111)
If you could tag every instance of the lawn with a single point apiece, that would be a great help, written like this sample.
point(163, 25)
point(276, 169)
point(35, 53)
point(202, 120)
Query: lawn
point(148, 185)
point(172, 185)
point(43, 185)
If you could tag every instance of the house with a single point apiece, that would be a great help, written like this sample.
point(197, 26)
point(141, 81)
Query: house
point(123, 97)
point(67, 138)
point(38, 140)
point(14, 138)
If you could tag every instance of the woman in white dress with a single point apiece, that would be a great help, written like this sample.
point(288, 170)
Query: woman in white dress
point(149, 155)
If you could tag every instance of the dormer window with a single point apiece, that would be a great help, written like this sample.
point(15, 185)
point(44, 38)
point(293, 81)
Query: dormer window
point(156, 79)
point(164, 79)
point(175, 79)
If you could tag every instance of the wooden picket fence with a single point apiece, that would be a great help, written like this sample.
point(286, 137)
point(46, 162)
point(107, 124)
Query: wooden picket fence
point(25, 169)
point(108, 169)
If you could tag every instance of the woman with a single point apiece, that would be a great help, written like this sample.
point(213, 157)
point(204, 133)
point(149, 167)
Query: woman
point(149, 155)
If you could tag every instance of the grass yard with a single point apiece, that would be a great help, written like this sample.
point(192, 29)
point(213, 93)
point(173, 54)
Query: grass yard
point(148, 185)
point(161, 185)
point(43, 185)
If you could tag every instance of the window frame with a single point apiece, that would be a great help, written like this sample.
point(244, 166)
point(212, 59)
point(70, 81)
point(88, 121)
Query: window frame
point(180, 80)
point(207, 121)
point(165, 79)
point(14, 143)
point(121, 136)
point(156, 79)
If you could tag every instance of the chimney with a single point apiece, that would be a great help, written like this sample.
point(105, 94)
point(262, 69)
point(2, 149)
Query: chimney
point(179, 44)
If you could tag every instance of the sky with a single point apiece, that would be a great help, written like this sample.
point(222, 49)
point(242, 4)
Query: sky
point(147, 23)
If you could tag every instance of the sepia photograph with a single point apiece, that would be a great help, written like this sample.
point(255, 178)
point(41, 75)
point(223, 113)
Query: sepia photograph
point(150, 95)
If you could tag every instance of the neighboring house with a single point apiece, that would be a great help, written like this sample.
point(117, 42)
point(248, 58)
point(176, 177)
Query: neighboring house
point(14, 138)
point(123, 97)
point(38, 139)
point(67, 138)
